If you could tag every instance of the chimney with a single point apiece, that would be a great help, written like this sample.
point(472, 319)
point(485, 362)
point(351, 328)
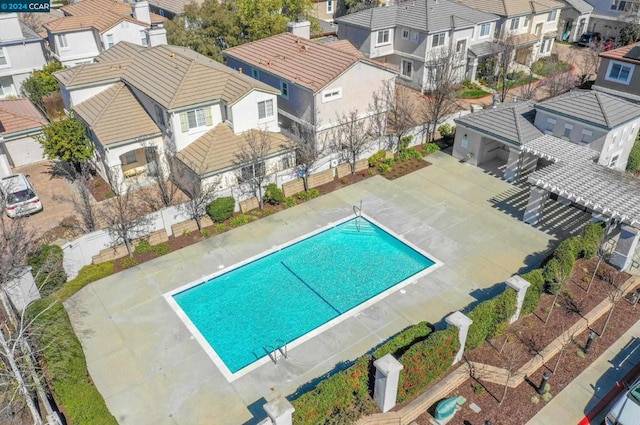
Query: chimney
point(300, 29)
point(496, 96)
point(10, 27)
point(157, 36)
point(141, 12)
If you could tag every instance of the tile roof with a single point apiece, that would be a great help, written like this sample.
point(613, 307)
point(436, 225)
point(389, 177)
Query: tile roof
point(92, 73)
point(19, 115)
point(510, 122)
point(104, 113)
point(580, 5)
point(344, 46)
point(618, 54)
point(96, 7)
point(592, 107)
point(514, 7)
point(122, 50)
point(216, 149)
point(303, 62)
point(173, 6)
point(425, 15)
point(101, 22)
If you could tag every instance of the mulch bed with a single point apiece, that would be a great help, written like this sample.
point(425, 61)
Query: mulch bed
point(99, 188)
point(529, 335)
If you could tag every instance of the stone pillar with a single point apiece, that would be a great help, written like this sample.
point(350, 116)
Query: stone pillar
point(625, 249)
point(280, 411)
point(520, 285)
point(385, 390)
point(462, 322)
point(513, 165)
point(535, 207)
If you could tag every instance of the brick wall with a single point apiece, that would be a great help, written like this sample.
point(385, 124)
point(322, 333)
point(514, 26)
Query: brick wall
point(318, 179)
point(249, 204)
point(293, 187)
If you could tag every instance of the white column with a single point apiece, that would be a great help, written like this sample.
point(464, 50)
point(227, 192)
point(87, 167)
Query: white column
point(280, 411)
point(528, 163)
point(385, 390)
point(513, 164)
point(520, 285)
point(625, 249)
point(535, 207)
point(462, 322)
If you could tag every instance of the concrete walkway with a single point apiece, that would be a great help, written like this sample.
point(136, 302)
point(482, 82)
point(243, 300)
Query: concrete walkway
point(151, 370)
point(582, 395)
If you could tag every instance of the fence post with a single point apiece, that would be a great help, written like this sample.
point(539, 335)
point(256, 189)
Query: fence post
point(520, 285)
point(462, 322)
point(385, 391)
point(280, 411)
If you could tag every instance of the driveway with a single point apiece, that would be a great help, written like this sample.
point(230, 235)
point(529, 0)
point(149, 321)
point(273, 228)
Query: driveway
point(48, 186)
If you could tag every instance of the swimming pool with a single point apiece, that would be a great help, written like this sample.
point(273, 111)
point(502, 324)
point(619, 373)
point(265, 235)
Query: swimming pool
point(267, 302)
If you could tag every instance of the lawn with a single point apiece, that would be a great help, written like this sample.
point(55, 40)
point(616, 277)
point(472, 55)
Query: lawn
point(473, 94)
point(548, 66)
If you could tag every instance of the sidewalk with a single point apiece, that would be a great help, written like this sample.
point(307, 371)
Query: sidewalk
point(584, 395)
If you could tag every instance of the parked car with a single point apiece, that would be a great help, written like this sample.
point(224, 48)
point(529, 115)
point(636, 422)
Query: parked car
point(609, 43)
point(626, 409)
point(18, 196)
point(589, 37)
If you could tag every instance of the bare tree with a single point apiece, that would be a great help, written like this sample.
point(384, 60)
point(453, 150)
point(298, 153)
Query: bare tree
point(398, 104)
point(497, 67)
point(602, 252)
point(561, 277)
point(308, 150)
point(528, 90)
point(510, 357)
point(615, 292)
point(162, 192)
point(351, 137)
point(589, 61)
point(17, 243)
point(124, 215)
point(82, 201)
point(559, 82)
point(200, 193)
point(253, 158)
point(443, 66)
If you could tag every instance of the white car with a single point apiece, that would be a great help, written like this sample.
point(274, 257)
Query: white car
point(626, 409)
point(18, 197)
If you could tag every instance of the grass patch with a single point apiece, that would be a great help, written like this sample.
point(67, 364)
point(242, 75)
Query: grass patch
point(473, 94)
point(547, 67)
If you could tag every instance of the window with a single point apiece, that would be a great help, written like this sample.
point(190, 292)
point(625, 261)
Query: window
point(407, 68)
point(485, 29)
point(195, 119)
point(567, 130)
point(586, 135)
point(329, 6)
point(438, 40)
point(6, 86)
point(331, 94)
point(284, 88)
point(3, 56)
point(129, 158)
point(225, 112)
point(515, 22)
point(545, 46)
point(552, 15)
point(551, 123)
point(415, 36)
point(253, 170)
point(383, 37)
point(62, 41)
point(614, 160)
point(109, 40)
point(619, 72)
point(618, 5)
point(288, 162)
point(143, 38)
point(461, 46)
point(538, 30)
point(160, 116)
point(526, 21)
point(265, 109)
point(406, 34)
point(255, 73)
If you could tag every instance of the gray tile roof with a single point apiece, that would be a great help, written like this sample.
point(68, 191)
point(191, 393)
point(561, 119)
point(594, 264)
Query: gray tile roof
point(580, 5)
point(592, 107)
point(485, 48)
point(509, 122)
point(424, 15)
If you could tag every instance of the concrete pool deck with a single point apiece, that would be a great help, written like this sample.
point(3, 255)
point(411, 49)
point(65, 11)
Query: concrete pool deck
point(150, 369)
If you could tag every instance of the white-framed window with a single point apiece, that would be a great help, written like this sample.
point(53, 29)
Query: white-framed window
point(438, 39)
point(551, 123)
point(586, 135)
point(461, 46)
point(255, 73)
point(567, 130)
point(265, 109)
point(515, 23)
point(331, 94)
point(253, 170)
point(129, 158)
point(538, 29)
point(406, 68)
point(284, 89)
point(110, 42)
point(6, 86)
point(619, 72)
point(552, 15)
point(195, 119)
point(3, 57)
point(143, 38)
point(405, 34)
point(329, 6)
point(614, 160)
point(382, 37)
point(62, 41)
point(545, 46)
point(526, 21)
point(485, 30)
point(618, 4)
point(415, 36)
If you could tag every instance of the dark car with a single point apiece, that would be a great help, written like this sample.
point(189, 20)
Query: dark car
point(589, 37)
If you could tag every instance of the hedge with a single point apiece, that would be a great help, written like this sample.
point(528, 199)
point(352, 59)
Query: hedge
point(592, 235)
point(403, 340)
point(488, 317)
point(47, 268)
point(86, 275)
point(535, 290)
point(221, 209)
point(66, 368)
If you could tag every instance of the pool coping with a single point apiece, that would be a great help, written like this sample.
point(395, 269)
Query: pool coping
point(217, 360)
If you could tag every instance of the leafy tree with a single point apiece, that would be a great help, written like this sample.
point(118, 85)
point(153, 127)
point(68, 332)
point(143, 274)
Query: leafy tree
point(66, 140)
point(265, 18)
point(633, 163)
point(630, 33)
point(41, 83)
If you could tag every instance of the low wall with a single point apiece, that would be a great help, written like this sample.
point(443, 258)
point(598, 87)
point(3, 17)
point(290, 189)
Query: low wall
point(318, 179)
point(293, 187)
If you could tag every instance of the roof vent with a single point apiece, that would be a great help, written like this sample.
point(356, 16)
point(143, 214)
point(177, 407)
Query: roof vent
point(173, 55)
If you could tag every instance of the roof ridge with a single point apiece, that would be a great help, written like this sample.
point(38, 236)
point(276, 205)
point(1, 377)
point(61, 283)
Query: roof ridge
point(182, 82)
point(16, 114)
point(604, 114)
point(516, 121)
point(116, 91)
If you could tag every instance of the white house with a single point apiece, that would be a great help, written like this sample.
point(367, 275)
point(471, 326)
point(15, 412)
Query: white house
point(20, 122)
point(21, 53)
point(609, 16)
point(574, 20)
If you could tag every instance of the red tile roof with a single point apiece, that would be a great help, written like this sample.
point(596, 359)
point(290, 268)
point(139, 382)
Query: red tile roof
point(19, 115)
point(618, 54)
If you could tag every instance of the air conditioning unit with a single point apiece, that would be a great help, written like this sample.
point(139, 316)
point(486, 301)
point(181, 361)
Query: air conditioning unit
point(334, 163)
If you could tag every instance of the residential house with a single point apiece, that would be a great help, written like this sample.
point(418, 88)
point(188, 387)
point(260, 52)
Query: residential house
point(619, 72)
point(92, 26)
point(609, 16)
point(20, 122)
point(140, 104)
point(412, 36)
point(323, 9)
point(170, 8)
point(501, 138)
point(574, 19)
point(531, 26)
point(318, 82)
point(21, 53)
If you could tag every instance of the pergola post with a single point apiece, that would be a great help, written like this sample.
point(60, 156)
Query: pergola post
point(535, 207)
point(513, 165)
point(625, 249)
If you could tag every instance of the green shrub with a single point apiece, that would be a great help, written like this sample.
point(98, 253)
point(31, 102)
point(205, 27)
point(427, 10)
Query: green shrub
point(592, 235)
point(86, 275)
point(220, 209)
point(532, 297)
point(273, 195)
point(256, 213)
point(162, 248)
point(505, 307)
point(128, 263)
point(309, 194)
point(427, 361)
point(633, 163)
point(377, 159)
point(410, 153)
point(386, 165)
point(430, 148)
point(239, 220)
point(219, 228)
point(205, 233)
point(404, 339)
point(143, 247)
point(66, 366)
point(290, 201)
point(447, 130)
point(483, 316)
point(46, 266)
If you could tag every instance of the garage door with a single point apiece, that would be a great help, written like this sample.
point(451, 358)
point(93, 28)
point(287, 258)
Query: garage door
point(24, 151)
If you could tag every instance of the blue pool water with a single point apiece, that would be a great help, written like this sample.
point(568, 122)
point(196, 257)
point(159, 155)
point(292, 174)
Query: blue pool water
point(284, 295)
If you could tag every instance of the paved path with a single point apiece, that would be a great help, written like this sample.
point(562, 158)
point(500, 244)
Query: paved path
point(584, 393)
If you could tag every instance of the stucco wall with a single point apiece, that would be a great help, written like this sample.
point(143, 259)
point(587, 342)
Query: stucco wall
point(81, 46)
point(124, 31)
point(245, 113)
point(359, 37)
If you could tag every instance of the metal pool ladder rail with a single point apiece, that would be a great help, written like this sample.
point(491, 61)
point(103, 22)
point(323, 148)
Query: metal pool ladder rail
point(273, 352)
point(358, 213)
